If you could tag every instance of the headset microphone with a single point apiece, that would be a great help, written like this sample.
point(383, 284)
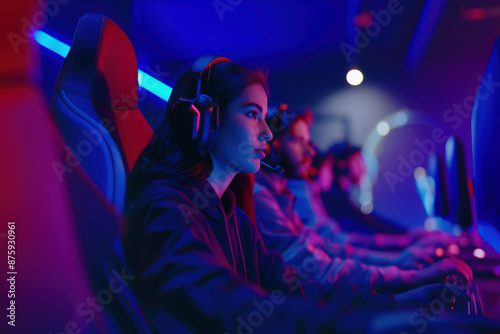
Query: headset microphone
point(278, 169)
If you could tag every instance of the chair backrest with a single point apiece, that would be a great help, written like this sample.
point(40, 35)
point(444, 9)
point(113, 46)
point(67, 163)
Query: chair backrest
point(95, 105)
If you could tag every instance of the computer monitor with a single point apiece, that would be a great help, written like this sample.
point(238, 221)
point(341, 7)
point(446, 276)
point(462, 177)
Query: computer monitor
point(486, 151)
point(442, 197)
point(460, 199)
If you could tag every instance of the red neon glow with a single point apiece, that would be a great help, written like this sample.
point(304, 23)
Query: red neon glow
point(474, 14)
point(454, 249)
point(439, 252)
point(363, 20)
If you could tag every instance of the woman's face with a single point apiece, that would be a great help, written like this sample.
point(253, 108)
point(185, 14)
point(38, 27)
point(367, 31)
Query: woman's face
point(241, 143)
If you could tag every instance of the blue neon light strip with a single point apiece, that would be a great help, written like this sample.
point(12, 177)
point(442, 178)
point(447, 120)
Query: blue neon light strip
point(145, 80)
point(153, 85)
point(51, 43)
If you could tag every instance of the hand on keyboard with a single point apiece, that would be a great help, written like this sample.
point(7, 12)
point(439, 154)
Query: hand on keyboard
point(473, 306)
point(438, 271)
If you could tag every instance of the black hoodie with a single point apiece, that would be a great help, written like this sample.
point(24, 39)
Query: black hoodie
point(202, 267)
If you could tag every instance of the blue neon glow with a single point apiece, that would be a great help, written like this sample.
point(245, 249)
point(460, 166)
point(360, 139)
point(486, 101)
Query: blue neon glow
point(144, 80)
point(153, 85)
point(51, 43)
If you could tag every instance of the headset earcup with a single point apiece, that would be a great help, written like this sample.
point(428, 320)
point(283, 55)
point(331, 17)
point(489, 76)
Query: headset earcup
point(203, 111)
point(208, 125)
point(185, 114)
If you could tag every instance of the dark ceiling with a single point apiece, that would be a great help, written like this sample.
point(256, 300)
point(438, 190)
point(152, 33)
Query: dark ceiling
point(427, 56)
point(300, 42)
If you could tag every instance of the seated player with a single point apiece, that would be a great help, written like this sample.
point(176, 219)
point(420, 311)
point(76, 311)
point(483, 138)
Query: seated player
point(279, 198)
point(200, 265)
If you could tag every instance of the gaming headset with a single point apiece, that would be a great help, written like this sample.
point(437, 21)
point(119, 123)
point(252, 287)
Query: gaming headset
point(203, 111)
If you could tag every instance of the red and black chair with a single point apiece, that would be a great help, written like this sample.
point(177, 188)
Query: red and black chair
point(95, 105)
point(95, 108)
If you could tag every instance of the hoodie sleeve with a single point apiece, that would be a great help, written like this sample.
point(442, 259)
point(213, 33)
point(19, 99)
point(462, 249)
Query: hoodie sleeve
point(287, 235)
point(347, 296)
point(184, 287)
point(313, 256)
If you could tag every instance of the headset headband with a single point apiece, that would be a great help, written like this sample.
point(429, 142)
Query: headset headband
point(203, 63)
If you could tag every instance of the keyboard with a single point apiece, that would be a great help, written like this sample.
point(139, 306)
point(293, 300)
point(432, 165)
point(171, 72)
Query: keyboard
point(474, 307)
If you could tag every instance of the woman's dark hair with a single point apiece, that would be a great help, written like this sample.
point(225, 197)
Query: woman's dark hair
point(171, 154)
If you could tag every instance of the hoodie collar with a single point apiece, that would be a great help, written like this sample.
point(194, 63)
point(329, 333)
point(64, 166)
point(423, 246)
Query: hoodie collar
point(204, 197)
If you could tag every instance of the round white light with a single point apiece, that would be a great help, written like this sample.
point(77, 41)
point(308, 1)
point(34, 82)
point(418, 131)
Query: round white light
point(383, 128)
point(367, 208)
point(479, 253)
point(401, 118)
point(354, 77)
point(419, 173)
point(365, 198)
point(430, 224)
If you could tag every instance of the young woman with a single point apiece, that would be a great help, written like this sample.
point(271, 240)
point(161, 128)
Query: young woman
point(200, 264)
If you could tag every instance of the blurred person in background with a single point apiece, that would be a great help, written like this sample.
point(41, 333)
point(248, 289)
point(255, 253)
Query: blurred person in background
point(293, 221)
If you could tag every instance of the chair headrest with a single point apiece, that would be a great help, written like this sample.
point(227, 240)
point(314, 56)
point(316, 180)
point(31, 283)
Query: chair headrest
point(101, 64)
point(101, 68)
